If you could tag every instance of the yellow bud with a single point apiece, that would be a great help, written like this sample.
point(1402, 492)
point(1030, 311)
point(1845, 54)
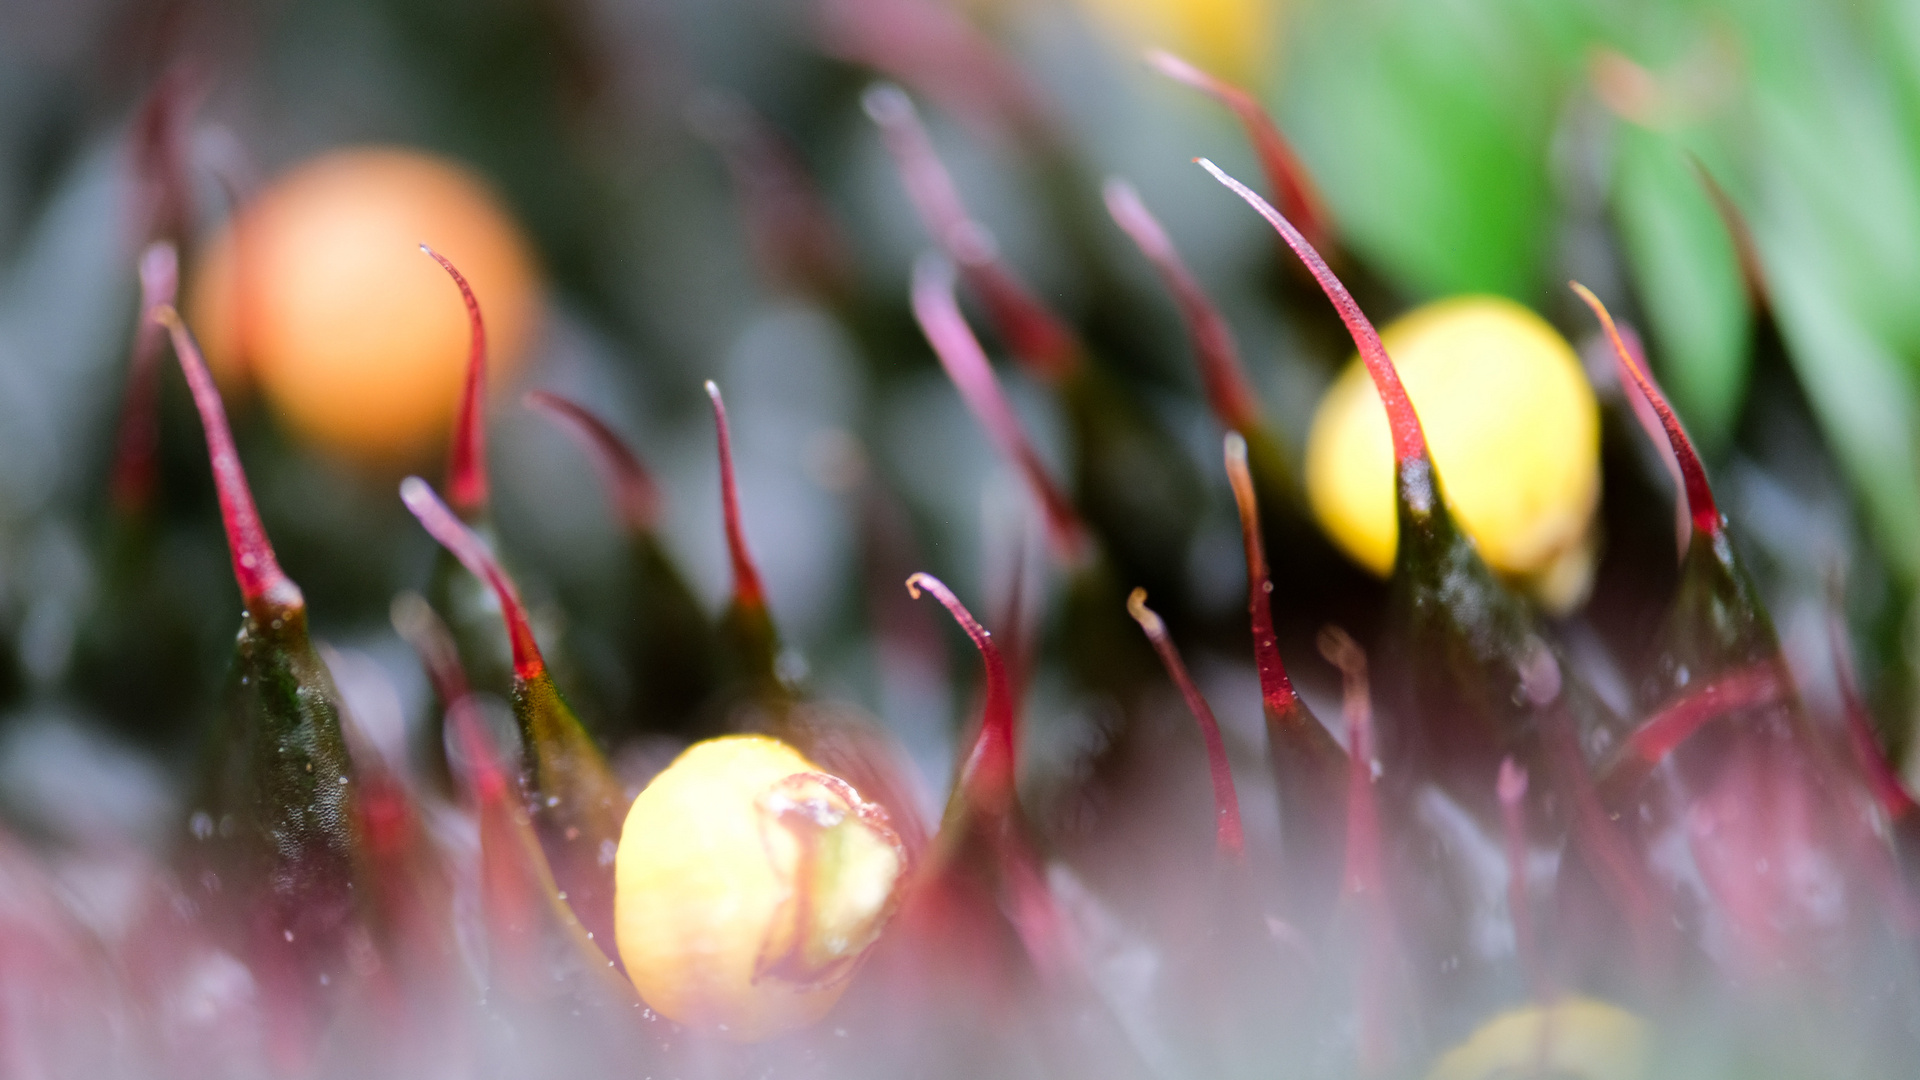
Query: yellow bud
point(319, 290)
point(1513, 428)
point(1574, 1037)
point(748, 885)
point(1234, 39)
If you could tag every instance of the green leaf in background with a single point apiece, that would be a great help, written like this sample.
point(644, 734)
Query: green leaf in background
point(1862, 393)
point(1428, 125)
point(1686, 276)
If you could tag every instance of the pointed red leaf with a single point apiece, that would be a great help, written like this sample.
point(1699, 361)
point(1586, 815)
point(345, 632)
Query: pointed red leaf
point(1706, 516)
point(1276, 689)
point(1214, 350)
point(1035, 335)
point(747, 590)
point(1409, 442)
point(966, 364)
point(1228, 834)
point(467, 460)
point(134, 464)
point(472, 552)
point(264, 588)
point(987, 773)
point(1293, 186)
point(635, 496)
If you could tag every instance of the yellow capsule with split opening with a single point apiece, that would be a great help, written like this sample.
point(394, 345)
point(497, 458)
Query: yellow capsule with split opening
point(748, 885)
point(1514, 430)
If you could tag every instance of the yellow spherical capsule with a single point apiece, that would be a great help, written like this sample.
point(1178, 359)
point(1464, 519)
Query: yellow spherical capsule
point(748, 885)
point(1513, 428)
point(1574, 1037)
point(1233, 39)
point(319, 291)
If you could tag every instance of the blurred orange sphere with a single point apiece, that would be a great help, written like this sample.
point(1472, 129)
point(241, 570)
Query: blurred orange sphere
point(318, 293)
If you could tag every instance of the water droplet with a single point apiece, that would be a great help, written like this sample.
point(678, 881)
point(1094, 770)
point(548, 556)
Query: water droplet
point(288, 934)
point(201, 824)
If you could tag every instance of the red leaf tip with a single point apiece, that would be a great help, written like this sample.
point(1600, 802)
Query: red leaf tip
point(635, 496)
point(1292, 185)
point(134, 466)
point(467, 458)
point(1276, 689)
point(267, 591)
point(1035, 335)
point(1409, 441)
point(466, 545)
point(747, 590)
point(938, 313)
point(986, 776)
point(1214, 350)
point(1228, 835)
point(1706, 515)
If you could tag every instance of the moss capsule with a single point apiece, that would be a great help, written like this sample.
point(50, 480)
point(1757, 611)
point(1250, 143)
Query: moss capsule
point(318, 291)
point(1514, 431)
point(748, 885)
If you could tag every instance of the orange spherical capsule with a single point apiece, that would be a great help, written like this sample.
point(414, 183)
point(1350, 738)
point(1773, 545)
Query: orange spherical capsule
point(319, 292)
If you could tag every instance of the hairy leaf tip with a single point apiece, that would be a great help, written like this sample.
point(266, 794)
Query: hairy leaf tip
point(467, 459)
point(635, 495)
point(1228, 835)
point(1706, 516)
point(1409, 441)
point(264, 588)
point(1214, 350)
point(1036, 336)
point(138, 440)
point(747, 590)
point(938, 313)
point(456, 537)
point(1292, 185)
point(1276, 689)
point(986, 775)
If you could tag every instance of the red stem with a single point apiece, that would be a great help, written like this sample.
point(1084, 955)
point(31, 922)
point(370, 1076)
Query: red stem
point(635, 496)
point(1214, 350)
point(790, 228)
point(938, 313)
point(467, 460)
point(1292, 185)
point(1033, 333)
point(134, 465)
point(472, 552)
point(747, 590)
point(1706, 516)
point(986, 776)
point(264, 588)
point(1226, 803)
point(1409, 442)
point(1649, 419)
point(1276, 689)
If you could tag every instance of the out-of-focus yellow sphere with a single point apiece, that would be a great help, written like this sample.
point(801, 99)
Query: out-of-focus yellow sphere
point(1573, 1037)
point(1234, 39)
point(319, 293)
point(748, 885)
point(1513, 428)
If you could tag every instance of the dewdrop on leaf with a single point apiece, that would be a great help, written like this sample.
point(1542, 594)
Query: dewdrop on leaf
point(1514, 430)
point(748, 886)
